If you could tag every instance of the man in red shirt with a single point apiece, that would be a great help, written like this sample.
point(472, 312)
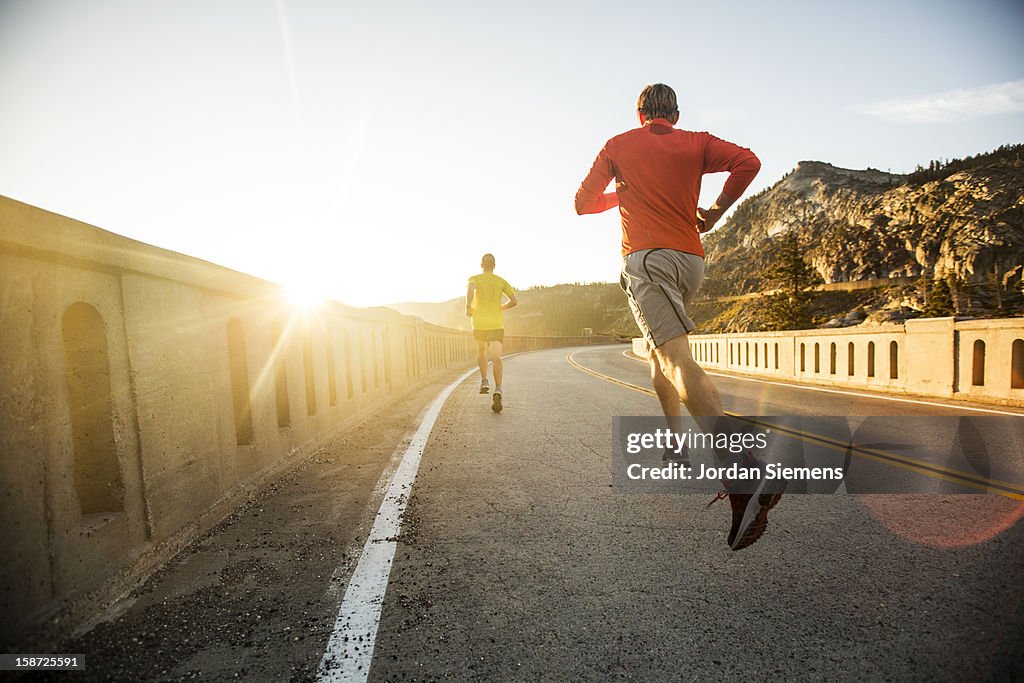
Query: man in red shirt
point(657, 170)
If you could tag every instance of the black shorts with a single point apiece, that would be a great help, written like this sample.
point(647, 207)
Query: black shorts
point(489, 335)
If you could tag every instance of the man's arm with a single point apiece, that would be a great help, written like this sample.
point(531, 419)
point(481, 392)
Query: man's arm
point(706, 218)
point(511, 303)
point(591, 197)
point(470, 292)
point(742, 166)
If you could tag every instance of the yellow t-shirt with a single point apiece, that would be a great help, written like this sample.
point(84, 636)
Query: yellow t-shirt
point(487, 301)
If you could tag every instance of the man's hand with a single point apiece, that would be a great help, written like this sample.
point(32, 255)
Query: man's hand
point(469, 311)
point(706, 218)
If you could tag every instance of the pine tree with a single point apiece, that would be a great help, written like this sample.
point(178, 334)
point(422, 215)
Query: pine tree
point(787, 308)
point(940, 300)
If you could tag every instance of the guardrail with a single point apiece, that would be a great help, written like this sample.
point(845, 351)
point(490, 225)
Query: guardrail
point(147, 393)
point(980, 360)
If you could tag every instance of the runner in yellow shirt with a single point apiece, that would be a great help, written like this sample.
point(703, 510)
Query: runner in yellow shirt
point(484, 305)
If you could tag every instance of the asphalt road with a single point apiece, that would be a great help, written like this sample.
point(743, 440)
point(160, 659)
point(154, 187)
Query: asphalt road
point(518, 561)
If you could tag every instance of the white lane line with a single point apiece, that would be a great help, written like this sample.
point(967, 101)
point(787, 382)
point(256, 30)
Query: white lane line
point(848, 393)
point(350, 648)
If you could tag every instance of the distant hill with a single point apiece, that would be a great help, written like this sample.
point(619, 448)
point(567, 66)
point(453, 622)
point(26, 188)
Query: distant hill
point(561, 310)
point(451, 313)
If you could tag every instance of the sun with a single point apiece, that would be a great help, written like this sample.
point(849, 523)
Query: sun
point(305, 295)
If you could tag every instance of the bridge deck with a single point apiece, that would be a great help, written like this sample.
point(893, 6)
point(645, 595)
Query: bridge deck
point(517, 561)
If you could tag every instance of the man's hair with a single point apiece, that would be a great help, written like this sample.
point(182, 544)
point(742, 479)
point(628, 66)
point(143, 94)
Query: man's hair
point(487, 262)
point(657, 101)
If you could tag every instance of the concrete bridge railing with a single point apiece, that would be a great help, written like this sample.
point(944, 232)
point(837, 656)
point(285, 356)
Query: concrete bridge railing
point(980, 360)
point(147, 393)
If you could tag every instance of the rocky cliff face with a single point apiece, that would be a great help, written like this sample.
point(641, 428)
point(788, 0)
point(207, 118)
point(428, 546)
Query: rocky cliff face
point(962, 221)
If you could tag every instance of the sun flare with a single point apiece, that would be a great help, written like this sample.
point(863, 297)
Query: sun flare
point(305, 295)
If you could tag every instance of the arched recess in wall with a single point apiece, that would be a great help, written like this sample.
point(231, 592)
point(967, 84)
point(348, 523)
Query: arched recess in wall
point(332, 379)
point(386, 343)
point(1017, 364)
point(307, 366)
point(978, 364)
point(97, 471)
point(408, 357)
point(239, 369)
point(871, 359)
point(362, 361)
point(284, 411)
point(349, 390)
point(374, 351)
point(894, 360)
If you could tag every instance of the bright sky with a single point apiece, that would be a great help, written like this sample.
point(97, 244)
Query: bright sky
point(375, 150)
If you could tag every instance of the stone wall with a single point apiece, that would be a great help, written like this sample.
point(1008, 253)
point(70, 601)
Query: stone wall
point(979, 360)
point(145, 394)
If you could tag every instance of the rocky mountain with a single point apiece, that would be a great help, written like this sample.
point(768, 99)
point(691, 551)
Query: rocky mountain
point(961, 220)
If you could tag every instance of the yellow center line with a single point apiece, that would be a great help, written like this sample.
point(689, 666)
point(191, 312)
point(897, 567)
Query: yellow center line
point(922, 467)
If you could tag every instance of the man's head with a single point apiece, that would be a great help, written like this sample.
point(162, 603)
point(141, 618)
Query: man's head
point(487, 262)
point(657, 101)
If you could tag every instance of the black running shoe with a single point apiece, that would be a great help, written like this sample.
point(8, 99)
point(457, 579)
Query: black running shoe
point(496, 403)
point(750, 510)
point(749, 517)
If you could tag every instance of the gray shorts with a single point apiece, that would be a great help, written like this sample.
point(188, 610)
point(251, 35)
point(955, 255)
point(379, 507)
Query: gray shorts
point(660, 284)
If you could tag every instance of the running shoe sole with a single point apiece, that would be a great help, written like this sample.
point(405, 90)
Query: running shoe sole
point(485, 389)
point(750, 525)
point(496, 404)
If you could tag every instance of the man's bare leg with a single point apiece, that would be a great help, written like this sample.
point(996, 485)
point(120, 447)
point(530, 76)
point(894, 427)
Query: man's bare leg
point(667, 396)
point(481, 361)
point(698, 392)
point(670, 406)
point(494, 350)
point(688, 379)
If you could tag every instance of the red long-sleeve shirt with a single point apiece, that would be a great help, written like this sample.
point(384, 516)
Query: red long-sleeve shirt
point(658, 170)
